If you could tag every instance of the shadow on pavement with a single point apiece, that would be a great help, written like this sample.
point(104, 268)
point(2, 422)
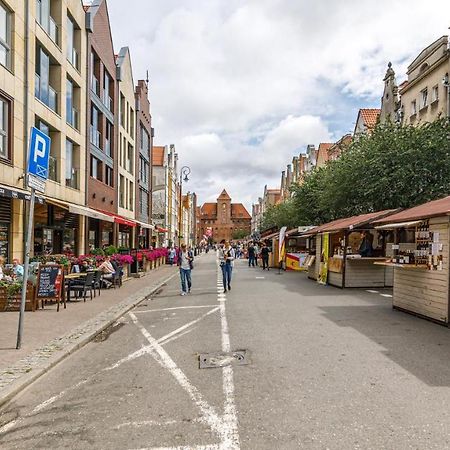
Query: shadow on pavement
point(418, 346)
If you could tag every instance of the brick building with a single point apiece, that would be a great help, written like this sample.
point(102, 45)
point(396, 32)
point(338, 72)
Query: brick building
point(226, 219)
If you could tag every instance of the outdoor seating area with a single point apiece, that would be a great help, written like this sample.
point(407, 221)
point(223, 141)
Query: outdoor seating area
point(56, 279)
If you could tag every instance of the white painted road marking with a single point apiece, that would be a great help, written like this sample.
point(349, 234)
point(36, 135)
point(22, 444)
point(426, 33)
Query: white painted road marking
point(386, 295)
point(173, 308)
point(372, 291)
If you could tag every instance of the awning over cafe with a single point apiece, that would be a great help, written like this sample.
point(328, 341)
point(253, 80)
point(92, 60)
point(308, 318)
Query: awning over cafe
point(79, 209)
point(161, 230)
point(120, 220)
point(17, 193)
point(145, 225)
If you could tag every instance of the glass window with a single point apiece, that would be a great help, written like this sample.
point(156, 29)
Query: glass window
point(424, 98)
point(121, 191)
point(4, 128)
point(96, 168)
point(70, 41)
point(5, 36)
point(435, 94)
point(69, 159)
point(109, 176)
point(69, 102)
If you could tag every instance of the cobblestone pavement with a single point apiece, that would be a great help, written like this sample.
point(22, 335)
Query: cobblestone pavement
point(16, 376)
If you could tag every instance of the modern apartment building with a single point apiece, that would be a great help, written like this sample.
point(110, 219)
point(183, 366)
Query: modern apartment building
point(43, 84)
point(144, 145)
point(126, 186)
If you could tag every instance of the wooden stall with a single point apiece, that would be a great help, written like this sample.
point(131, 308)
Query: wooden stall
point(342, 261)
point(420, 259)
point(297, 256)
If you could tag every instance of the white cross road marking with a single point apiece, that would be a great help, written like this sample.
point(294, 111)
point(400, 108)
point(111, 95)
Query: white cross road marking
point(372, 292)
point(386, 295)
point(260, 278)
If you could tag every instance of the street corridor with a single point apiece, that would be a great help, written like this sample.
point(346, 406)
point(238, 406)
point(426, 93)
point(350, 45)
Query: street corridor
point(315, 367)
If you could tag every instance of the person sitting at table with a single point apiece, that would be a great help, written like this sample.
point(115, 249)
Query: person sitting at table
point(17, 269)
point(108, 271)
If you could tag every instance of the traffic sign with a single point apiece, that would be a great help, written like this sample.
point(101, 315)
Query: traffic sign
point(36, 183)
point(39, 153)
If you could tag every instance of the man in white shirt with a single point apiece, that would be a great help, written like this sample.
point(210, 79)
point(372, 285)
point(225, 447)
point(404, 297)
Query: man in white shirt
point(185, 259)
point(226, 257)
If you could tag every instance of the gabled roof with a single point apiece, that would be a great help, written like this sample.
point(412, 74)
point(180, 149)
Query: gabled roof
point(209, 210)
point(224, 195)
point(238, 209)
point(370, 116)
point(434, 208)
point(158, 156)
point(423, 55)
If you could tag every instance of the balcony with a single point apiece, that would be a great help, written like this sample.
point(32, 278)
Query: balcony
point(53, 168)
point(47, 22)
point(95, 137)
point(73, 118)
point(49, 98)
point(74, 181)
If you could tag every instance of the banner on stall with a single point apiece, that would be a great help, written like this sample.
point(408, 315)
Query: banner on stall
point(296, 261)
point(281, 244)
point(323, 268)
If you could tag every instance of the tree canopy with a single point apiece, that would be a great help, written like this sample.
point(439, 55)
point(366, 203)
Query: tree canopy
point(395, 166)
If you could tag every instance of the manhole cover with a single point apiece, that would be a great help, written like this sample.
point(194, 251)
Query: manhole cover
point(220, 359)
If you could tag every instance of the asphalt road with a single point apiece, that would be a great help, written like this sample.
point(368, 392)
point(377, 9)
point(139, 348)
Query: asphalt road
point(328, 369)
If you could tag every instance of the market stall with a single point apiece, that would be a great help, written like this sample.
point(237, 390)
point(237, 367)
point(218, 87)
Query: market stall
point(346, 250)
point(419, 258)
point(297, 249)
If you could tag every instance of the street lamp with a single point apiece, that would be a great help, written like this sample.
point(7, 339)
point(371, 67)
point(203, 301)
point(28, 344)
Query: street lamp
point(184, 176)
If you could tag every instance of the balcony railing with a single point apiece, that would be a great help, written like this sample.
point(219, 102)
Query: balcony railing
point(73, 117)
point(73, 58)
point(53, 168)
point(47, 22)
point(95, 85)
point(107, 100)
point(74, 181)
point(95, 137)
point(51, 100)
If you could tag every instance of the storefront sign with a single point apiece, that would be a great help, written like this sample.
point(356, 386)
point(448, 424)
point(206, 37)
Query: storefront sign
point(335, 265)
point(49, 282)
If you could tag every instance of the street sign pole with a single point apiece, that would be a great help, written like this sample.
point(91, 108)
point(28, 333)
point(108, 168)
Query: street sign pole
point(25, 268)
point(37, 174)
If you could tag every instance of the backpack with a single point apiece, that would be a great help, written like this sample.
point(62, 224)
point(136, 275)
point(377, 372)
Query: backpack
point(191, 262)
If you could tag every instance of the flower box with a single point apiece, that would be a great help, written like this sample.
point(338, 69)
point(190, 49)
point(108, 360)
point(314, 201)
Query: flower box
point(12, 302)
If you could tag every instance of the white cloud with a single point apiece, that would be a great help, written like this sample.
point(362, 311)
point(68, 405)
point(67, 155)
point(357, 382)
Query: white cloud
point(240, 86)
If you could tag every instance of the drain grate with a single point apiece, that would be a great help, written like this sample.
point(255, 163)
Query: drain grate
point(220, 359)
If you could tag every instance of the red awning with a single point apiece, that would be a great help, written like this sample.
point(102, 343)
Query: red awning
point(161, 230)
point(119, 219)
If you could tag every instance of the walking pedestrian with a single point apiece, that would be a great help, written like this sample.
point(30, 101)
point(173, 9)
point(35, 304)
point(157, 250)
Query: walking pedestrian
point(227, 256)
point(265, 256)
point(185, 262)
point(251, 255)
point(172, 254)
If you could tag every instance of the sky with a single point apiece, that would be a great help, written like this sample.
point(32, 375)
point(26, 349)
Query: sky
point(242, 86)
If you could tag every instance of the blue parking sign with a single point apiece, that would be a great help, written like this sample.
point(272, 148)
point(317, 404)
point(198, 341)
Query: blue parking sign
point(39, 153)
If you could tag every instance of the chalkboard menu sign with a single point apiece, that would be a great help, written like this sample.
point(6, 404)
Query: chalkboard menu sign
point(49, 283)
point(4, 239)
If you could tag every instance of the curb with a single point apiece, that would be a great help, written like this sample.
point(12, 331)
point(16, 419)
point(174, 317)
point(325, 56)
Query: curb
point(31, 374)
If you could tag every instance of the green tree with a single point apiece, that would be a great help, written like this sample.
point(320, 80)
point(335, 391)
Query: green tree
point(239, 234)
point(394, 167)
point(280, 215)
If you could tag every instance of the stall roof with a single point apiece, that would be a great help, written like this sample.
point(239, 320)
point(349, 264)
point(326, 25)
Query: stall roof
point(349, 223)
point(434, 208)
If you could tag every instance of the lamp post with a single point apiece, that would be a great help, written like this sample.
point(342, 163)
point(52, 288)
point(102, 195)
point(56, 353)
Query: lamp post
point(184, 173)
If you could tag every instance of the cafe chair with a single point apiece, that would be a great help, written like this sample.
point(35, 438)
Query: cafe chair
point(117, 275)
point(83, 286)
point(97, 282)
